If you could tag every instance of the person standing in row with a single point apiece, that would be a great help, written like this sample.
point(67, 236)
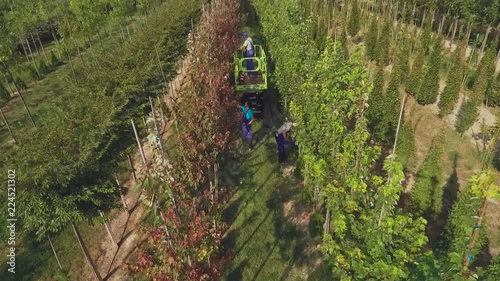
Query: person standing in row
point(282, 136)
point(250, 51)
point(246, 127)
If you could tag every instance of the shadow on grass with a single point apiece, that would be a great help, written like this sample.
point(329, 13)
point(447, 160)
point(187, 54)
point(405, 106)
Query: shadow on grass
point(29, 263)
point(237, 273)
point(484, 258)
point(264, 235)
point(324, 269)
point(437, 238)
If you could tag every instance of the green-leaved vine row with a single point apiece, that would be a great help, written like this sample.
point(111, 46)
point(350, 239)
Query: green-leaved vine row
point(366, 235)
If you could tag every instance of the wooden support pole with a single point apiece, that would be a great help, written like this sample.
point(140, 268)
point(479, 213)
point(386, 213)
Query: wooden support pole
point(54, 251)
point(383, 210)
point(31, 54)
point(26, 107)
point(144, 162)
point(86, 253)
point(8, 126)
point(475, 232)
point(156, 127)
point(161, 111)
point(124, 202)
point(107, 228)
point(159, 64)
point(399, 123)
point(132, 168)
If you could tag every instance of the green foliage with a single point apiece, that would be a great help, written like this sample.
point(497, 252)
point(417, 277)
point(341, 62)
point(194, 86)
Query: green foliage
point(429, 87)
point(375, 110)
point(135, 67)
point(320, 32)
point(426, 36)
point(294, 47)
point(405, 149)
point(43, 68)
point(73, 152)
point(316, 224)
point(311, 109)
point(485, 73)
point(493, 271)
point(344, 44)
point(392, 102)
point(353, 24)
point(402, 63)
point(369, 238)
point(426, 196)
point(54, 60)
point(463, 216)
point(66, 186)
point(121, 10)
point(384, 42)
point(451, 92)
point(383, 109)
point(428, 267)
point(34, 73)
point(61, 275)
point(4, 94)
point(371, 39)
point(416, 73)
point(494, 97)
point(21, 85)
point(467, 115)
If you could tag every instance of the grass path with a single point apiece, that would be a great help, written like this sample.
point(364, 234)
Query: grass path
point(268, 220)
point(264, 244)
point(267, 215)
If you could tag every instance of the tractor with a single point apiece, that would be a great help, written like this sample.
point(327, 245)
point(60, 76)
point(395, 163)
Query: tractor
point(250, 84)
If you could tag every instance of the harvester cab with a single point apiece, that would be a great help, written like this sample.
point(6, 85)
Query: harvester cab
point(250, 84)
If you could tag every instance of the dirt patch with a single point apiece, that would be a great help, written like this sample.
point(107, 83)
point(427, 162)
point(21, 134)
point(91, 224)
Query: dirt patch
point(493, 223)
point(300, 214)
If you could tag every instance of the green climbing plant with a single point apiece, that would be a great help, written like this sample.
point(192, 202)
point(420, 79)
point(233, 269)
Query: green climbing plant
point(428, 90)
point(353, 24)
point(426, 195)
point(371, 39)
point(405, 149)
point(451, 92)
point(416, 72)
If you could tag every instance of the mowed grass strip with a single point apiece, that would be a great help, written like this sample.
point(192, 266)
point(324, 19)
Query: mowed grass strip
point(265, 244)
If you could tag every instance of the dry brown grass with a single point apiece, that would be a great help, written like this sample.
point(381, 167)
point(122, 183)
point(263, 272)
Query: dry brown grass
point(427, 125)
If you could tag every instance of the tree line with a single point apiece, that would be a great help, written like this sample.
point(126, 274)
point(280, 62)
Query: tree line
point(67, 164)
point(355, 184)
point(186, 243)
point(28, 26)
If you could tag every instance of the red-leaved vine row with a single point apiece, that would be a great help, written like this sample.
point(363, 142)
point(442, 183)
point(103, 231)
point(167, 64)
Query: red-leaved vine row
point(187, 246)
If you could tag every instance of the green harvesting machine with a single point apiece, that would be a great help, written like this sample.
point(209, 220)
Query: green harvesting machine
point(251, 83)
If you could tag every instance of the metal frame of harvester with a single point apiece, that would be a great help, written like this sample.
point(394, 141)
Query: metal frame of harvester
point(251, 86)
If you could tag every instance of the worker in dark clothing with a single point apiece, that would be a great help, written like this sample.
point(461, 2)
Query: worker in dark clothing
point(282, 136)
